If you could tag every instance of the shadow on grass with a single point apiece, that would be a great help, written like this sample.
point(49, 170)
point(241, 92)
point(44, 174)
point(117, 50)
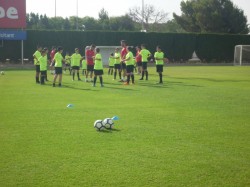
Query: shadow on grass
point(68, 86)
point(125, 87)
point(115, 130)
point(86, 89)
point(109, 130)
point(104, 131)
point(209, 79)
point(167, 84)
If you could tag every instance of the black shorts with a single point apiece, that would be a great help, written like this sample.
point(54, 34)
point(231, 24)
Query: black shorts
point(130, 68)
point(159, 68)
point(90, 67)
point(67, 65)
point(98, 72)
point(75, 67)
point(37, 68)
point(58, 70)
point(117, 66)
point(43, 73)
point(123, 66)
point(144, 65)
point(111, 66)
point(139, 64)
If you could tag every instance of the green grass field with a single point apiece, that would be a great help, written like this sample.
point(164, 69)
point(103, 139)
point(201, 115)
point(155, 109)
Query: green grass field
point(192, 131)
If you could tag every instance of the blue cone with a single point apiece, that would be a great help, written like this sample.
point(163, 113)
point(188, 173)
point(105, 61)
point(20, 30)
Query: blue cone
point(115, 118)
point(70, 106)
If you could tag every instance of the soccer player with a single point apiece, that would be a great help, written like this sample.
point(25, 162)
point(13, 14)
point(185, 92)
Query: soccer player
point(43, 61)
point(135, 65)
point(98, 68)
point(124, 52)
point(84, 66)
point(36, 56)
point(129, 60)
point(90, 53)
point(58, 59)
point(111, 64)
point(52, 54)
point(117, 63)
point(46, 75)
point(75, 64)
point(67, 62)
point(159, 61)
point(145, 54)
point(138, 59)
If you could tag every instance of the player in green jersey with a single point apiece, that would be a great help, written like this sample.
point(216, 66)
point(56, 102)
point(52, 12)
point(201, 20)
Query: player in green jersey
point(58, 59)
point(145, 54)
point(159, 61)
point(43, 61)
point(36, 56)
point(75, 63)
point(111, 64)
point(117, 63)
point(98, 67)
point(46, 74)
point(67, 62)
point(129, 60)
point(84, 66)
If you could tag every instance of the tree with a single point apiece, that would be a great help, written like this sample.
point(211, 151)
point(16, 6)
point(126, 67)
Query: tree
point(32, 22)
point(90, 23)
point(57, 22)
point(150, 16)
point(43, 22)
point(73, 20)
point(104, 19)
point(122, 23)
point(171, 26)
point(66, 24)
point(217, 16)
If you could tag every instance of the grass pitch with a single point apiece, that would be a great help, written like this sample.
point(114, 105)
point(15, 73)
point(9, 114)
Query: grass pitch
point(194, 130)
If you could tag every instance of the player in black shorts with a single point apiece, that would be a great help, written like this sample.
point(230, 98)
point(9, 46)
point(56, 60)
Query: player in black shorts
point(117, 64)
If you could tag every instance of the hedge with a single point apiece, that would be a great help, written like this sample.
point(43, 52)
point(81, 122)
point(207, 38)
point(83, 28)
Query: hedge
point(177, 46)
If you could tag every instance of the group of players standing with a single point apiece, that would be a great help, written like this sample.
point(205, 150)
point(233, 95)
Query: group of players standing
point(122, 61)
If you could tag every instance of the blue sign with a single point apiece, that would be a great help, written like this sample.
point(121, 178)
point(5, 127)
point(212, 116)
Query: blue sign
point(13, 35)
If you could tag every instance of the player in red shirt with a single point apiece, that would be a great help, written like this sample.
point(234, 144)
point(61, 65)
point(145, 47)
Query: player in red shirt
point(124, 52)
point(52, 54)
point(90, 53)
point(138, 59)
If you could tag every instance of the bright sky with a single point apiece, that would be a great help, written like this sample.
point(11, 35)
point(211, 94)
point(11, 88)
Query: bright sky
point(67, 8)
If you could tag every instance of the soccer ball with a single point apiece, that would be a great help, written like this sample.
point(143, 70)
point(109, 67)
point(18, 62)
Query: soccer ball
point(98, 125)
point(108, 123)
point(2, 72)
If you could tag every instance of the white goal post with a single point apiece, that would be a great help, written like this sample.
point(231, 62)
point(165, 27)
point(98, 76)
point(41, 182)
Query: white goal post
point(105, 52)
point(241, 55)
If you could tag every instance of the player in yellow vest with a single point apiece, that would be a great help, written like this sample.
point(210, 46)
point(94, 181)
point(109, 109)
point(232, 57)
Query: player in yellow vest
point(135, 65)
point(36, 56)
point(84, 66)
point(159, 61)
point(58, 59)
point(117, 63)
point(47, 51)
point(67, 62)
point(130, 64)
point(75, 63)
point(43, 61)
point(111, 64)
point(145, 54)
point(98, 67)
